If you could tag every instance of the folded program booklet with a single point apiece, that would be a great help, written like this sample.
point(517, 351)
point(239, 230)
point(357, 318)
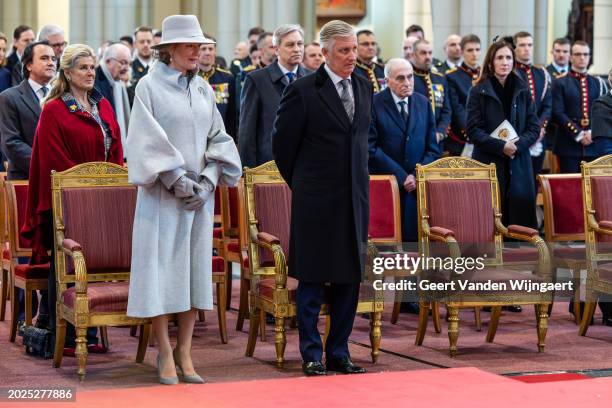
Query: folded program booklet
point(505, 132)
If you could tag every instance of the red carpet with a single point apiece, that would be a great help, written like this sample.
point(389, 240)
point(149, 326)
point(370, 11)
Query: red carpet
point(459, 387)
point(538, 378)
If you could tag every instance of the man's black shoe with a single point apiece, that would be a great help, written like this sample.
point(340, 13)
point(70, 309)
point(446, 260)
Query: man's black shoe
point(42, 322)
point(409, 307)
point(345, 366)
point(513, 308)
point(313, 368)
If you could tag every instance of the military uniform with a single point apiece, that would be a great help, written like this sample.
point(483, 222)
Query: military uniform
point(459, 84)
point(434, 87)
point(551, 129)
point(239, 81)
point(538, 81)
point(224, 86)
point(138, 71)
point(375, 73)
point(237, 65)
point(444, 67)
point(554, 74)
point(573, 95)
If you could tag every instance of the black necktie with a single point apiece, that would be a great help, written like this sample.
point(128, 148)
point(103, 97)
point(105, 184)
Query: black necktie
point(403, 110)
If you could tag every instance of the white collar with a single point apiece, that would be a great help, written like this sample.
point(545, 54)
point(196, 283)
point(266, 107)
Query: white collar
point(335, 77)
point(452, 64)
point(559, 68)
point(35, 85)
point(285, 70)
point(397, 99)
point(143, 62)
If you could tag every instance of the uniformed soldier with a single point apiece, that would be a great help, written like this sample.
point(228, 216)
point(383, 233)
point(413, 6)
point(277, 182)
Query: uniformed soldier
point(223, 84)
point(366, 65)
point(538, 80)
point(452, 50)
point(460, 81)
point(573, 95)
point(561, 57)
point(433, 86)
point(237, 65)
point(143, 39)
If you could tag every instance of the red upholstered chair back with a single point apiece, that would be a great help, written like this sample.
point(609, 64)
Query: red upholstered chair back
point(273, 213)
point(101, 220)
point(563, 206)
point(217, 202)
point(385, 214)
point(602, 203)
point(232, 194)
point(466, 208)
point(17, 202)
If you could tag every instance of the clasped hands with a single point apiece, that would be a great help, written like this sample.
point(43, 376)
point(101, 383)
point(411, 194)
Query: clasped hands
point(193, 194)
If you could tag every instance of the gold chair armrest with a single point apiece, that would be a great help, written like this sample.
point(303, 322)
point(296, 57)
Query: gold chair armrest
point(74, 250)
point(529, 235)
point(441, 234)
point(271, 243)
point(602, 227)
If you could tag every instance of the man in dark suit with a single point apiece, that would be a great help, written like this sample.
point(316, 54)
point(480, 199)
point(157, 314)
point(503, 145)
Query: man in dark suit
point(402, 135)
point(261, 94)
point(22, 36)
point(602, 122)
point(433, 86)
point(459, 84)
point(573, 97)
point(19, 113)
point(320, 142)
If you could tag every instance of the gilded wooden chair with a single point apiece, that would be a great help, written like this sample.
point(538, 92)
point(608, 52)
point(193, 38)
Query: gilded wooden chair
point(231, 246)
point(268, 208)
point(24, 276)
point(93, 214)
point(473, 229)
point(4, 244)
point(597, 196)
point(563, 222)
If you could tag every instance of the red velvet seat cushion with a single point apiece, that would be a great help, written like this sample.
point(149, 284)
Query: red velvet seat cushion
point(232, 193)
point(382, 209)
point(33, 271)
point(217, 202)
point(267, 286)
point(218, 232)
point(103, 297)
point(565, 252)
point(218, 264)
point(520, 254)
point(233, 246)
point(567, 205)
point(21, 197)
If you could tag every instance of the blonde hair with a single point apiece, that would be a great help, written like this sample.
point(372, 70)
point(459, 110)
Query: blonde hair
point(69, 58)
point(3, 37)
point(332, 30)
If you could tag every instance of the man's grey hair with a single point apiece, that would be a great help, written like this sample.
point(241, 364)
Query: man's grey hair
point(112, 51)
point(332, 30)
point(48, 30)
point(394, 63)
point(283, 30)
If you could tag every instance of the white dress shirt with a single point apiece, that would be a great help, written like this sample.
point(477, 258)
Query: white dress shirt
point(38, 88)
point(336, 81)
point(397, 100)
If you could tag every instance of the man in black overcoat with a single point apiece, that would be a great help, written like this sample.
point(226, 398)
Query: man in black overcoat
point(320, 145)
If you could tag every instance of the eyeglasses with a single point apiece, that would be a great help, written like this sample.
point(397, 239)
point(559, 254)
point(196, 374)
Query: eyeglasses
point(121, 62)
point(58, 45)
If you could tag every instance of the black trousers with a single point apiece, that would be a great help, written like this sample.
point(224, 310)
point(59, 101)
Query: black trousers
point(342, 301)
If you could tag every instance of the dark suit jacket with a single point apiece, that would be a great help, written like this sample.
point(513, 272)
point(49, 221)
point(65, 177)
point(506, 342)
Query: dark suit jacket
point(19, 112)
point(324, 159)
point(602, 116)
point(396, 147)
point(5, 79)
point(516, 183)
point(259, 100)
point(104, 86)
point(17, 74)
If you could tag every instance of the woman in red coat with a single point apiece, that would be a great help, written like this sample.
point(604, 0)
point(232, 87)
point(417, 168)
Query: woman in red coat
point(77, 125)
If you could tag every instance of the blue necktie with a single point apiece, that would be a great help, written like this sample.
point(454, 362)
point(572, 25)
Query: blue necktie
point(290, 76)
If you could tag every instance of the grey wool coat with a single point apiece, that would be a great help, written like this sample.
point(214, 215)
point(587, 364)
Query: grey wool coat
point(175, 128)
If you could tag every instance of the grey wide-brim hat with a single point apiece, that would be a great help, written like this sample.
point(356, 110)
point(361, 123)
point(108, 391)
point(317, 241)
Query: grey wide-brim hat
point(182, 29)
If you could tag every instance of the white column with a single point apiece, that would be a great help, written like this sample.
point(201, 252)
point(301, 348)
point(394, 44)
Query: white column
point(602, 37)
point(507, 18)
point(540, 32)
point(228, 31)
point(55, 12)
point(250, 15)
point(446, 18)
point(93, 21)
point(419, 12)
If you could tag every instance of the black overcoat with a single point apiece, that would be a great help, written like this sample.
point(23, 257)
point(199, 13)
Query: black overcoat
point(323, 157)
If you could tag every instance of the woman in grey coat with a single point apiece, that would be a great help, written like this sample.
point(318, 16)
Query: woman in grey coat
point(178, 151)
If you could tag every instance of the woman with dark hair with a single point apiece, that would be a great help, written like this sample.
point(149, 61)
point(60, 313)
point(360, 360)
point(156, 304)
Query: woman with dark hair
point(499, 94)
point(5, 74)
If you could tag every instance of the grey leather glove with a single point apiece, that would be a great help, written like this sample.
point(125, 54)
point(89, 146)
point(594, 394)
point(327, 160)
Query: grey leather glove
point(185, 187)
point(203, 193)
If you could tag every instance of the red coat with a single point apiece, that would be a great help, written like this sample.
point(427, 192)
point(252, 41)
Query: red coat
point(64, 138)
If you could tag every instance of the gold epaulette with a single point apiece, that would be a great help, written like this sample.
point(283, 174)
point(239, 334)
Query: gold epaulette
point(450, 71)
point(561, 75)
point(249, 68)
point(225, 71)
point(437, 73)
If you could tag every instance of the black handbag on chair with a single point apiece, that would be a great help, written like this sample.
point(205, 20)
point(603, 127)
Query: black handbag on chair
point(38, 342)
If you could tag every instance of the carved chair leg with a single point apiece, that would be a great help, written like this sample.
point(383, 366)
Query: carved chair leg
point(262, 324)
point(576, 306)
point(243, 306)
point(253, 329)
point(435, 314)
point(28, 306)
point(493, 322)
point(221, 294)
point(589, 310)
point(14, 313)
point(423, 320)
point(3, 294)
point(60, 338)
point(143, 339)
point(477, 318)
point(81, 351)
point(104, 336)
point(228, 285)
point(280, 340)
point(542, 325)
point(375, 334)
point(453, 329)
